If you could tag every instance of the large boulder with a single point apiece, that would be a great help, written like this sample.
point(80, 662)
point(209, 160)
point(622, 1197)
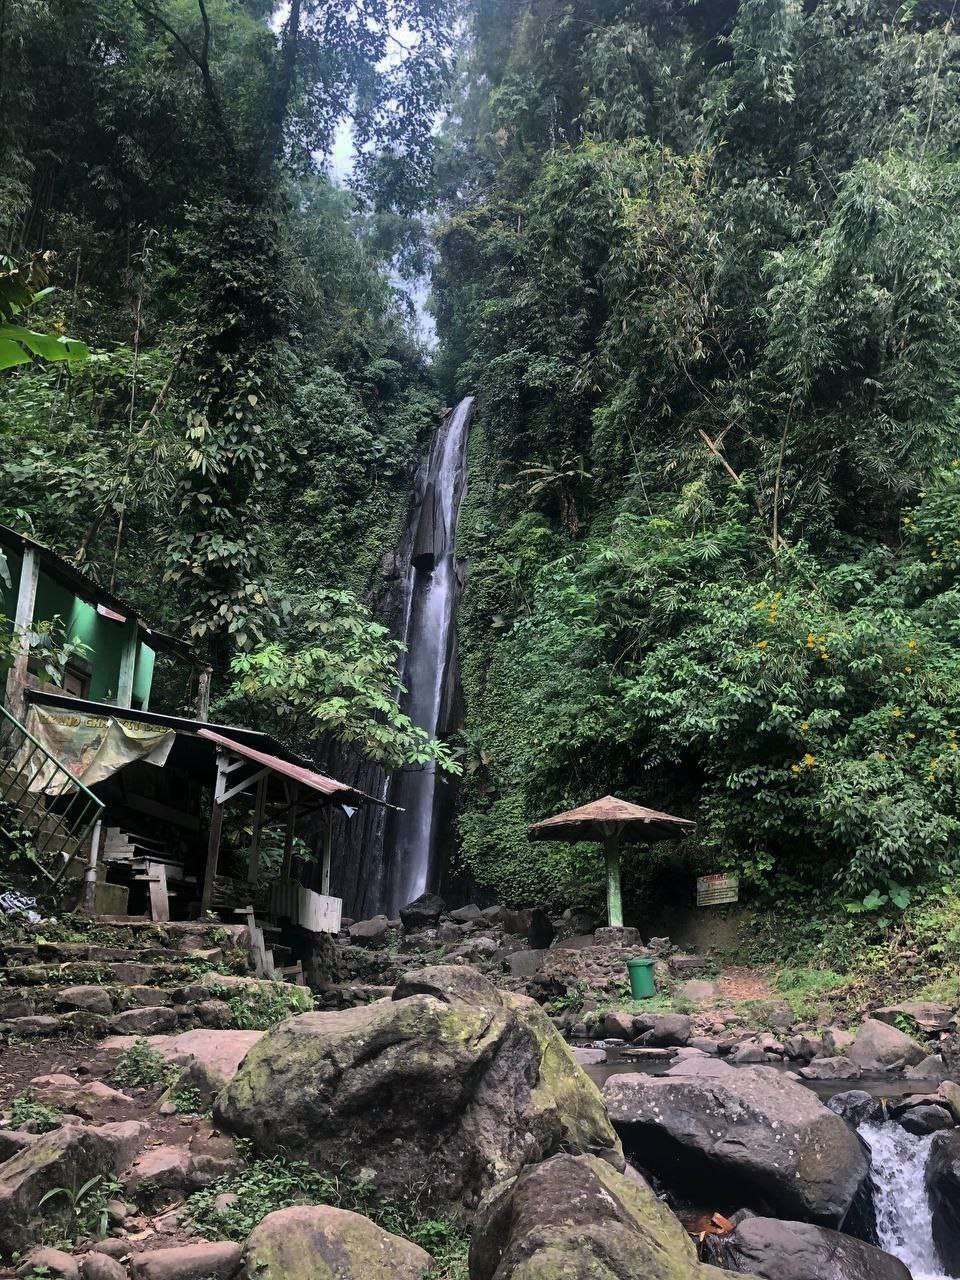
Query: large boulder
point(67, 1157)
point(772, 1145)
point(942, 1177)
point(928, 1015)
point(880, 1047)
point(776, 1250)
point(318, 1242)
point(576, 1218)
point(423, 912)
point(451, 1081)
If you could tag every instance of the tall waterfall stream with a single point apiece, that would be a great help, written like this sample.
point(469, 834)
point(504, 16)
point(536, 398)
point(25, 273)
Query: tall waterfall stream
point(900, 1197)
point(429, 639)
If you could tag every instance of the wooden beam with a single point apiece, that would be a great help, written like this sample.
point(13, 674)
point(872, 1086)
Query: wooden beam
point(22, 624)
point(128, 667)
point(290, 831)
point(213, 843)
point(253, 863)
point(327, 852)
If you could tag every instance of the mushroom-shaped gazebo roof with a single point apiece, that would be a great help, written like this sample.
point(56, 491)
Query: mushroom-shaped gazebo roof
point(611, 821)
point(607, 817)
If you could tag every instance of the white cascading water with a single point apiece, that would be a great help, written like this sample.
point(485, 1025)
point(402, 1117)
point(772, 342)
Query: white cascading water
point(432, 594)
point(900, 1197)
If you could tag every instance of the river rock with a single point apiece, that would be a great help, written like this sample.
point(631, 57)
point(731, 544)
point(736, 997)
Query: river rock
point(880, 1047)
point(451, 1078)
point(462, 915)
point(67, 1157)
point(926, 1118)
point(318, 1242)
point(776, 1250)
point(942, 1177)
point(836, 1042)
point(541, 931)
point(50, 1262)
point(524, 964)
point(92, 998)
point(576, 1218)
point(205, 1260)
point(370, 933)
point(928, 1015)
point(931, 1069)
point(838, 1068)
point(423, 912)
point(208, 1058)
point(662, 1030)
point(854, 1106)
point(766, 1139)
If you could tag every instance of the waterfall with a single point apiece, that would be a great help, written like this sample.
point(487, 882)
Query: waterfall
point(428, 671)
point(904, 1227)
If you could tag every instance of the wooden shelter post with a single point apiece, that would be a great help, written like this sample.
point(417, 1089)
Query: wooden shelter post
point(327, 852)
point(22, 622)
point(216, 829)
point(292, 792)
point(253, 862)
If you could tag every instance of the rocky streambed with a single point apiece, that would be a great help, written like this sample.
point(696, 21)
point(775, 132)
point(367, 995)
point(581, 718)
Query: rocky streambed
point(449, 1094)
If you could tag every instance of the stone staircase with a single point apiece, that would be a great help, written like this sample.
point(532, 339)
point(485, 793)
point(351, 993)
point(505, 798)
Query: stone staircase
point(129, 978)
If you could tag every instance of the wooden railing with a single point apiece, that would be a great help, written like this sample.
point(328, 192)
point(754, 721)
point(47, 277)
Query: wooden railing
point(53, 810)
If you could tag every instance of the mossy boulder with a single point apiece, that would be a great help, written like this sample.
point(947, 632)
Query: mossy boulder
point(318, 1242)
point(450, 1086)
point(576, 1218)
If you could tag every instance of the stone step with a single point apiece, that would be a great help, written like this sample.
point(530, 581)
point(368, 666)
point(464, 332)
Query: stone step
point(74, 973)
point(136, 1022)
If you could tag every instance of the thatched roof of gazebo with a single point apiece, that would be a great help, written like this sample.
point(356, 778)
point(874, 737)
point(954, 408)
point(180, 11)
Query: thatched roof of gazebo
point(608, 817)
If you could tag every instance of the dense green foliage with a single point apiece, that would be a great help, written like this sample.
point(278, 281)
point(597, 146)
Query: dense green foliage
point(703, 268)
point(240, 442)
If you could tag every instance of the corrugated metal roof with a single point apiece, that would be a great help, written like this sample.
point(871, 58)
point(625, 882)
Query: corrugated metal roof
point(595, 820)
point(80, 584)
point(337, 792)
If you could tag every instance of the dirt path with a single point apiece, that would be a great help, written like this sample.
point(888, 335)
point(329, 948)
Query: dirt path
point(740, 983)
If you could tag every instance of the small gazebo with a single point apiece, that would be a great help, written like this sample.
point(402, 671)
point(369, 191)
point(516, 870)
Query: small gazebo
point(609, 822)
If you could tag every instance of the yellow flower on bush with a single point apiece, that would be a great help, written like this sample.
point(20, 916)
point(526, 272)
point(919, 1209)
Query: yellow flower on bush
point(762, 644)
point(809, 760)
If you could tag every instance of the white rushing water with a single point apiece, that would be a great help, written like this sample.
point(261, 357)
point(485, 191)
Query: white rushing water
point(432, 594)
point(900, 1196)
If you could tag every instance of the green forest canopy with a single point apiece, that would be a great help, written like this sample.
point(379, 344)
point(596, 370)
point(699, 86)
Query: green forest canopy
point(701, 263)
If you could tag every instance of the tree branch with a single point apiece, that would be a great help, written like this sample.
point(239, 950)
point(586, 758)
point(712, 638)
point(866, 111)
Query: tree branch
point(201, 61)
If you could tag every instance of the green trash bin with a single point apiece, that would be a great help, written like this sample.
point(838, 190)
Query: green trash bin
point(642, 985)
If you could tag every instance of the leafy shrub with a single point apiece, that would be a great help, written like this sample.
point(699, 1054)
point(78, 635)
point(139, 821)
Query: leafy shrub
point(25, 1109)
point(257, 1008)
point(141, 1066)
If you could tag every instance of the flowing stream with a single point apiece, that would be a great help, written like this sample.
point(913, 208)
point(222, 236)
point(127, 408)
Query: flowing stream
point(433, 587)
point(900, 1196)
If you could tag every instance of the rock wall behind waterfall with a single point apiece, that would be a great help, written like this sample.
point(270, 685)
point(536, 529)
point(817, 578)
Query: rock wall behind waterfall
point(380, 856)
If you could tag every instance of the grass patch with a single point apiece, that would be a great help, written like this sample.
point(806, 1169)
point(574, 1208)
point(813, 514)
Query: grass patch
point(805, 989)
point(266, 1185)
point(74, 1215)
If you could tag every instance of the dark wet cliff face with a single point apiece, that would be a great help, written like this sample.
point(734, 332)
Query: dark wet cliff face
point(383, 859)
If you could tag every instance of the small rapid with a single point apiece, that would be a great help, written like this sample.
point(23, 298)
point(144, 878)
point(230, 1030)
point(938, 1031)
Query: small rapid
point(904, 1223)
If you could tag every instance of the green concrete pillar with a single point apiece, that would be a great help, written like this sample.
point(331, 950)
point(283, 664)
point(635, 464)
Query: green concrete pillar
point(611, 850)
